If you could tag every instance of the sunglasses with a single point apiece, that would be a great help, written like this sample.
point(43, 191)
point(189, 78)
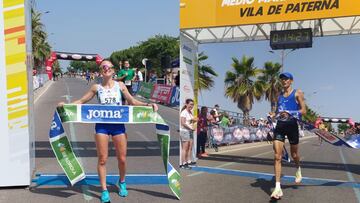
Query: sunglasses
point(106, 67)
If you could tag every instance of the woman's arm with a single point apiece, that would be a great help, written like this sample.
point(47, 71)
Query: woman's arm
point(84, 99)
point(183, 123)
point(132, 100)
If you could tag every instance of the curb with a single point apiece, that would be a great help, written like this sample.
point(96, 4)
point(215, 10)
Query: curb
point(41, 90)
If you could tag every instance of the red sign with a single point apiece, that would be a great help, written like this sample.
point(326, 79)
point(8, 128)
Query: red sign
point(161, 93)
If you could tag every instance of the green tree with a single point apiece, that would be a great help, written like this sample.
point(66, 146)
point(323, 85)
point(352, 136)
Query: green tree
point(206, 73)
point(242, 85)
point(342, 127)
point(310, 115)
point(153, 49)
point(78, 65)
point(40, 47)
point(271, 81)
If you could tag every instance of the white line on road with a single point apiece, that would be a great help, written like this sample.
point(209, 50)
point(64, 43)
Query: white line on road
point(232, 163)
point(349, 175)
point(37, 98)
point(85, 188)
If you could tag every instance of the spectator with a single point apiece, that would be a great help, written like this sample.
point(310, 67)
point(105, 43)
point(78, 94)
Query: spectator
point(187, 121)
point(202, 132)
point(225, 121)
point(177, 79)
point(152, 78)
point(217, 114)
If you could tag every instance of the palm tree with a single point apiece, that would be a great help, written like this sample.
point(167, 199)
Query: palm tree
point(310, 115)
point(40, 47)
point(242, 86)
point(206, 73)
point(272, 83)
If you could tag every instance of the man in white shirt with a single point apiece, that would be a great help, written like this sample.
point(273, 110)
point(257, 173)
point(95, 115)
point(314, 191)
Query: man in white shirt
point(217, 114)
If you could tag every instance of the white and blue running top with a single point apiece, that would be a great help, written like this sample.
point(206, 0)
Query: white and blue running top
point(110, 96)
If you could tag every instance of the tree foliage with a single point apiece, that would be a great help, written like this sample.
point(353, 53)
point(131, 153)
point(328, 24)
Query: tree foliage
point(40, 47)
point(153, 49)
point(242, 84)
point(206, 73)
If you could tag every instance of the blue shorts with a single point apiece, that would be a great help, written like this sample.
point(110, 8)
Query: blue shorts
point(110, 129)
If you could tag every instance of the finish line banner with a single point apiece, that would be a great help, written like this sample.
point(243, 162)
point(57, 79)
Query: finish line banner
point(217, 13)
point(77, 113)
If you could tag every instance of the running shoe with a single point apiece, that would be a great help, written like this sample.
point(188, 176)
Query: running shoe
point(192, 163)
point(122, 189)
point(298, 176)
point(185, 166)
point(277, 194)
point(105, 196)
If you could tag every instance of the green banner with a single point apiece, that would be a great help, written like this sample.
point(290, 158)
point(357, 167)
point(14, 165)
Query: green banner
point(145, 89)
point(107, 114)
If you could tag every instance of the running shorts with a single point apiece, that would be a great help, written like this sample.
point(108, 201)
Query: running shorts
point(288, 128)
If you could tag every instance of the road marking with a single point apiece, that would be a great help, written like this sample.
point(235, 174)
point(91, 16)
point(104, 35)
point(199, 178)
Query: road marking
point(219, 166)
point(93, 179)
point(269, 177)
point(349, 175)
point(231, 163)
point(84, 188)
point(37, 98)
point(143, 136)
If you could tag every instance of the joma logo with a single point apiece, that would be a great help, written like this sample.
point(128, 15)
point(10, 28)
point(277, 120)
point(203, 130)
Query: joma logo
point(103, 114)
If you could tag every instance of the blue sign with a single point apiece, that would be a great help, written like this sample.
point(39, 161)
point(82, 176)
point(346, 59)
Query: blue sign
point(104, 113)
point(175, 96)
point(175, 63)
point(56, 126)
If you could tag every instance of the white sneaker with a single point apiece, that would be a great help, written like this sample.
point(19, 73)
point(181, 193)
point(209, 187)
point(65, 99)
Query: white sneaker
point(298, 176)
point(277, 194)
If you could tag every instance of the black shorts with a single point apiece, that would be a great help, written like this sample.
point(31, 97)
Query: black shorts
point(129, 87)
point(288, 128)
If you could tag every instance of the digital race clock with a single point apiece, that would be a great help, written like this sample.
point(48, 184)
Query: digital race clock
point(291, 39)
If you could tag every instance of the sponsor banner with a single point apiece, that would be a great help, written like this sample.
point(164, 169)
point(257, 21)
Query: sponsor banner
point(107, 114)
point(175, 96)
point(187, 58)
point(162, 93)
point(217, 13)
point(328, 136)
point(62, 148)
point(145, 89)
point(237, 134)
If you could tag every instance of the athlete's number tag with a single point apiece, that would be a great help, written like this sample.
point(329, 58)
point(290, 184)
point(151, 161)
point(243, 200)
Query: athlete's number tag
point(110, 100)
point(127, 82)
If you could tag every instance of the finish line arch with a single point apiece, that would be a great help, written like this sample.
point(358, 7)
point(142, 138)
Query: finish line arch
point(219, 21)
point(334, 120)
point(57, 55)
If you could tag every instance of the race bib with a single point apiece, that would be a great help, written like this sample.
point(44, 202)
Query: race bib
point(127, 82)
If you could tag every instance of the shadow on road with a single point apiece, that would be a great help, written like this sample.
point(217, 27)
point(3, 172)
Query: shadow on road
point(355, 169)
point(88, 149)
point(92, 191)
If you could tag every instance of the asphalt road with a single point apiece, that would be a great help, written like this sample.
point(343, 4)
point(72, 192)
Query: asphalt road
point(143, 153)
point(244, 173)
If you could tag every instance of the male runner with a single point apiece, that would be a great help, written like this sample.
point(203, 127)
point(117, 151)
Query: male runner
point(290, 107)
point(127, 75)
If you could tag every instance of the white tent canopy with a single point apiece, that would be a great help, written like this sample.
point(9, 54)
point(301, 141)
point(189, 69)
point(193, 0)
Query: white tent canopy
point(320, 27)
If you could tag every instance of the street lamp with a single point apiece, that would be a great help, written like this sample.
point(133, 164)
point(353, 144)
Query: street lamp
point(282, 56)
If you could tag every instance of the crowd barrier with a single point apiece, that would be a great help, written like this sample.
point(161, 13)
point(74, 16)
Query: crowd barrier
point(237, 134)
point(39, 80)
point(166, 94)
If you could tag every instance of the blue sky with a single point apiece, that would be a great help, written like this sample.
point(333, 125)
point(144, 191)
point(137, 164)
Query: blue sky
point(101, 27)
point(328, 73)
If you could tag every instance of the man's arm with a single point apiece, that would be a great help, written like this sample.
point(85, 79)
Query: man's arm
point(300, 99)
